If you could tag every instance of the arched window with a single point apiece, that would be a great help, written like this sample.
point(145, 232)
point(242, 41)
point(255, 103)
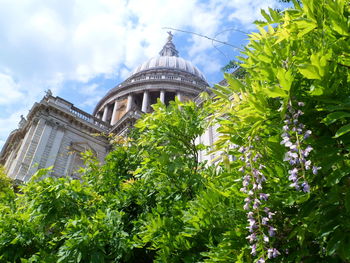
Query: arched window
point(75, 160)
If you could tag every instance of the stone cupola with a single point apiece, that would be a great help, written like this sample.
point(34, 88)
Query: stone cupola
point(162, 77)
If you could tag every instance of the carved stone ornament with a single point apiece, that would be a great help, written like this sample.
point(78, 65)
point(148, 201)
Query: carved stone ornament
point(48, 93)
point(22, 122)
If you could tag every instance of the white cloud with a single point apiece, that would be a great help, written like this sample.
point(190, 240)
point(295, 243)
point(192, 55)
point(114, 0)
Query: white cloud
point(207, 63)
point(124, 73)
point(45, 24)
point(8, 124)
point(248, 11)
point(9, 90)
point(88, 90)
point(92, 94)
point(81, 39)
point(90, 101)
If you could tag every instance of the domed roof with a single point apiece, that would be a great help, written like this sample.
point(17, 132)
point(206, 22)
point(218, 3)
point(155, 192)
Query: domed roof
point(169, 59)
point(166, 69)
point(169, 62)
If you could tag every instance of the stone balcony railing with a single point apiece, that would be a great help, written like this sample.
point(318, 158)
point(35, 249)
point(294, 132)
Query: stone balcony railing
point(164, 76)
point(82, 115)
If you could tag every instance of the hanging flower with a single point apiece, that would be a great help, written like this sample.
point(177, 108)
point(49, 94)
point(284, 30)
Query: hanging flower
point(259, 215)
point(293, 138)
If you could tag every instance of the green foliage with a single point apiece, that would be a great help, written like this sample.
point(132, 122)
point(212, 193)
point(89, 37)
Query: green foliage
point(300, 54)
point(152, 201)
point(6, 187)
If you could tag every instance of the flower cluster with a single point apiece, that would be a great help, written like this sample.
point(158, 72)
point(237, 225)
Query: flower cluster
point(293, 138)
point(258, 214)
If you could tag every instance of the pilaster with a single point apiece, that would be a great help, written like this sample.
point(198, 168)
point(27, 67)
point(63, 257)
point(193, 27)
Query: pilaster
point(26, 143)
point(40, 148)
point(55, 146)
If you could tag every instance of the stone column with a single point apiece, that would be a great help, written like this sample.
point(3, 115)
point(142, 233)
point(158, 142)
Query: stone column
point(55, 147)
point(162, 96)
point(114, 114)
point(179, 96)
point(145, 101)
point(105, 112)
point(40, 148)
point(130, 102)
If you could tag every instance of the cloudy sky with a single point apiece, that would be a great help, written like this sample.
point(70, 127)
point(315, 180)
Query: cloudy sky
point(82, 48)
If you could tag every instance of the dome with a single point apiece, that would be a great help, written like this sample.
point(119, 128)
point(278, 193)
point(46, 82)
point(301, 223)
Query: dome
point(163, 77)
point(169, 62)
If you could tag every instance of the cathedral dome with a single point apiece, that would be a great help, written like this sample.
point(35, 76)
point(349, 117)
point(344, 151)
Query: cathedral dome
point(171, 63)
point(163, 77)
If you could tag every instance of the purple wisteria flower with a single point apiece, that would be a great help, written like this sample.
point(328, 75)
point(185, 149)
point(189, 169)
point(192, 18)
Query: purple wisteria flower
point(293, 138)
point(315, 169)
point(272, 231)
point(253, 248)
point(273, 253)
point(259, 216)
point(251, 237)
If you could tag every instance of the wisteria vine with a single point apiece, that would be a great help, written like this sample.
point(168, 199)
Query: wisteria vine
point(258, 214)
point(293, 138)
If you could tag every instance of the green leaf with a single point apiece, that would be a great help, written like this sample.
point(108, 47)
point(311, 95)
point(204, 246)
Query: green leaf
point(220, 94)
point(334, 242)
point(264, 58)
point(275, 92)
point(316, 90)
point(305, 26)
point(309, 71)
point(319, 61)
point(285, 78)
point(343, 130)
point(233, 82)
point(276, 16)
point(334, 116)
point(338, 22)
point(265, 15)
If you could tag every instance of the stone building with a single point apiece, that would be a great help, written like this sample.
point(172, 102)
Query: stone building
point(55, 132)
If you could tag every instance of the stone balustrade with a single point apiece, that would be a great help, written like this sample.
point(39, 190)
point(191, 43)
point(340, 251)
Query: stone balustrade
point(82, 115)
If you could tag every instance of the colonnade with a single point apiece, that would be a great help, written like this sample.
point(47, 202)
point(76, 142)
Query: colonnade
point(113, 117)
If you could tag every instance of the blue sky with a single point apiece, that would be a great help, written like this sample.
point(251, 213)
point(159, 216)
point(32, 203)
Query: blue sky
point(82, 48)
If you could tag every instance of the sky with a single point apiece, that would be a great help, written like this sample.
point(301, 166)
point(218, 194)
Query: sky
point(80, 49)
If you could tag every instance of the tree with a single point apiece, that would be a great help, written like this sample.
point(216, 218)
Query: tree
point(296, 86)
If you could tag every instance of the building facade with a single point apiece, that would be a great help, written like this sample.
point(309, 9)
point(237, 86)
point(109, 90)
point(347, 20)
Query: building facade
point(55, 132)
